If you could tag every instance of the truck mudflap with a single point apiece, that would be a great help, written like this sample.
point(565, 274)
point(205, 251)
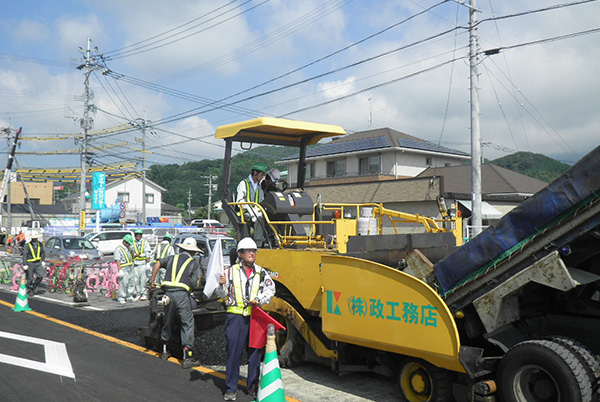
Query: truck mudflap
point(371, 305)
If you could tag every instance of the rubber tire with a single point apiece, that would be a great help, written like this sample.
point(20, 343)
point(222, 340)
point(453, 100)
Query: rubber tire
point(436, 382)
point(554, 362)
point(290, 343)
point(590, 361)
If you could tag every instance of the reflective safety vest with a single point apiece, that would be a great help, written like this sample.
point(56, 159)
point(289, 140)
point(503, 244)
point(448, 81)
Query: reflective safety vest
point(249, 193)
point(141, 251)
point(35, 258)
point(160, 254)
point(127, 257)
point(242, 306)
point(177, 274)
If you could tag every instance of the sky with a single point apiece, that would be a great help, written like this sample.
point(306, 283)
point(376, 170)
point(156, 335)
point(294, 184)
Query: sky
point(188, 67)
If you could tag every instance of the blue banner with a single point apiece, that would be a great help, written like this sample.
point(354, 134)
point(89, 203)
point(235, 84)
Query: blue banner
point(98, 190)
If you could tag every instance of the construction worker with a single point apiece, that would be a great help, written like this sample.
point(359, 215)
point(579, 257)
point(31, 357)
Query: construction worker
point(270, 181)
point(163, 249)
point(182, 275)
point(245, 285)
point(124, 259)
point(141, 258)
point(250, 190)
point(33, 263)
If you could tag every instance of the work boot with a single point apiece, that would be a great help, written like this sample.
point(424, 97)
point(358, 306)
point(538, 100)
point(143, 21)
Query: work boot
point(188, 360)
point(165, 353)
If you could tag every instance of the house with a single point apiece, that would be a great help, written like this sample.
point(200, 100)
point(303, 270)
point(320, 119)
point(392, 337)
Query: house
point(39, 193)
point(130, 192)
point(21, 215)
point(372, 155)
point(406, 174)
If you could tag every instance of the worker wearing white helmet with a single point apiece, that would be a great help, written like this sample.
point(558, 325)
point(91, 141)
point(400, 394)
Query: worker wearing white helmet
point(182, 276)
point(246, 285)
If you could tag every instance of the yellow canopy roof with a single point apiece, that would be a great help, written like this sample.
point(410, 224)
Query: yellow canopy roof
point(271, 130)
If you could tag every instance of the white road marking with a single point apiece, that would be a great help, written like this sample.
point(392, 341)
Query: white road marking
point(57, 359)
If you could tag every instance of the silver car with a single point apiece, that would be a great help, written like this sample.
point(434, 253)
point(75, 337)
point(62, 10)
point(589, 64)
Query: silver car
point(71, 247)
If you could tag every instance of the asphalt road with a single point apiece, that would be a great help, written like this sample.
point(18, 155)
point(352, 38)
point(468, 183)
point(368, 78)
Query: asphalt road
point(111, 363)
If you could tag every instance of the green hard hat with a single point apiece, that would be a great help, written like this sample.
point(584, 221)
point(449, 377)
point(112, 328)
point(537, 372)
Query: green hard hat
point(260, 166)
point(168, 236)
point(139, 231)
point(128, 238)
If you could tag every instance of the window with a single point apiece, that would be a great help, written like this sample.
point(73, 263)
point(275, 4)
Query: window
point(124, 197)
point(35, 201)
point(369, 165)
point(310, 171)
point(149, 198)
point(336, 168)
point(428, 161)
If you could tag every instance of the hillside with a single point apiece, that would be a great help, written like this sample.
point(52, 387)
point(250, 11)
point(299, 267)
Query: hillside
point(180, 179)
point(533, 165)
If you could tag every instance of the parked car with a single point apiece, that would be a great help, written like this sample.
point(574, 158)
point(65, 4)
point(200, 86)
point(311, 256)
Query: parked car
point(71, 247)
point(206, 243)
point(108, 240)
point(209, 226)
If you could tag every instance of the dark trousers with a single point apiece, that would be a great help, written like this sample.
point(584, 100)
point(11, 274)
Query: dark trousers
point(237, 330)
point(35, 274)
point(180, 305)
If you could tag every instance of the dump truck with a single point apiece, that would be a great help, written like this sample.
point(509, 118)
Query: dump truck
point(511, 315)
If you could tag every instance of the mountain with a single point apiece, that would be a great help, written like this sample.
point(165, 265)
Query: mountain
point(533, 165)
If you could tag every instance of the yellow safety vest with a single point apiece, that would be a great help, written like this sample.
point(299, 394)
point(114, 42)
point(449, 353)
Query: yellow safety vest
point(161, 253)
point(248, 193)
point(34, 257)
point(127, 257)
point(139, 252)
point(240, 307)
point(176, 275)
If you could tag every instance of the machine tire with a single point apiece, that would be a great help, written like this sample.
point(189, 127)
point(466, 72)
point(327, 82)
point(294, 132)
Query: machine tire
point(540, 370)
point(420, 381)
point(290, 343)
point(590, 361)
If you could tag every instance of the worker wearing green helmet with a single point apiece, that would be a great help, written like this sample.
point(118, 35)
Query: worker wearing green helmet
point(141, 270)
point(164, 249)
point(249, 190)
point(124, 260)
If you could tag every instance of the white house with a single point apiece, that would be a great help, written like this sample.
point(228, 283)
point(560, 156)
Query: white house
point(130, 192)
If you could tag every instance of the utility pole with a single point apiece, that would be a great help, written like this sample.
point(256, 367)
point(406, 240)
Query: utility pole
point(86, 123)
point(476, 221)
point(190, 204)
point(142, 127)
point(210, 191)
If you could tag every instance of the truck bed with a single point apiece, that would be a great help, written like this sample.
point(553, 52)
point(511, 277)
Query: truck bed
point(566, 209)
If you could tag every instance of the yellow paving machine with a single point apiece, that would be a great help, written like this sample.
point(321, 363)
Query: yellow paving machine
point(512, 315)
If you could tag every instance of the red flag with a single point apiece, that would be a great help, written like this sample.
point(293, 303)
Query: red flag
point(259, 321)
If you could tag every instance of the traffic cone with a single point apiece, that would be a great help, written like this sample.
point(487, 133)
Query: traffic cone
point(270, 388)
point(21, 304)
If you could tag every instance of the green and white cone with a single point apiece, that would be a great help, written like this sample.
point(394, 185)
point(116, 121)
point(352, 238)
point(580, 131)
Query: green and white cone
point(21, 304)
point(270, 388)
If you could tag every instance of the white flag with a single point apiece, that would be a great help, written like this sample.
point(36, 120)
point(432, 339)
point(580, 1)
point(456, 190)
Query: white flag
point(214, 270)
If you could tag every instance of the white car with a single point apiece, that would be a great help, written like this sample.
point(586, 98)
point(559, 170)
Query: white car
point(108, 240)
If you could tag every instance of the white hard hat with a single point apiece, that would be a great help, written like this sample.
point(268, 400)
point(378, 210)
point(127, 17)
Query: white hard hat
point(246, 244)
point(35, 235)
point(274, 174)
point(189, 243)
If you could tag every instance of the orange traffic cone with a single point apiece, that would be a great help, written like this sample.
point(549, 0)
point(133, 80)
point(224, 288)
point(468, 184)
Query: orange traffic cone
point(21, 304)
point(270, 387)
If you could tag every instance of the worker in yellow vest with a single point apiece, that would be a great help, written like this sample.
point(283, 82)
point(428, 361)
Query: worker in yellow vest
point(33, 263)
point(141, 258)
point(163, 249)
point(182, 276)
point(250, 190)
point(245, 285)
point(124, 260)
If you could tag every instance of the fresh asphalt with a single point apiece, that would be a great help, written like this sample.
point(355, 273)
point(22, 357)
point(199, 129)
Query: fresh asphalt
point(109, 361)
